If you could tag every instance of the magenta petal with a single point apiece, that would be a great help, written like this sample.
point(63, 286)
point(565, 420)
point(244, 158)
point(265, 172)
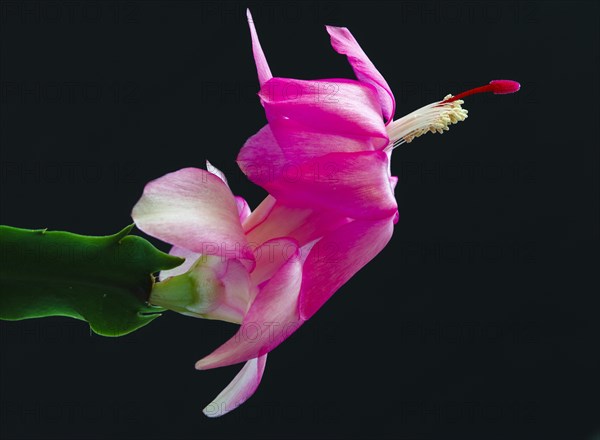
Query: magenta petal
point(337, 257)
point(356, 185)
point(262, 67)
point(241, 388)
point(312, 118)
point(344, 43)
point(195, 210)
point(261, 157)
point(272, 317)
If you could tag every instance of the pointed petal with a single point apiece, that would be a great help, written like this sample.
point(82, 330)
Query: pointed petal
point(241, 388)
point(344, 43)
point(217, 172)
point(193, 209)
point(262, 67)
point(272, 317)
point(337, 257)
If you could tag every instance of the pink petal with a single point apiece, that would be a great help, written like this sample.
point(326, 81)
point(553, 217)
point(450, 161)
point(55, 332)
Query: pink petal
point(355, 185)
point(312, 118)
point(241, 388)
point(337, 257)
point(262, 67)
point(259, 214)
point(261, 157)
point(193, 209)
point(270, 258)
point(272, 317)
point(243, 208)
point(302, 224)
point(309, 127)
point(232, 301)
point(343, 42)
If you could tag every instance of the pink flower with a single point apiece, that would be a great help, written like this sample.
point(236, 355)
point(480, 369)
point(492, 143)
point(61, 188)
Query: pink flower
point(268, 271)
point(324, 158)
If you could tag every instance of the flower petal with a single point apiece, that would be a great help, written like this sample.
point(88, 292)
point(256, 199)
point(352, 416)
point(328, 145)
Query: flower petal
point(337, 257)
point(261, 157)
point(344, 43)
point(272, 317)
point(259, 215)
point(302, 224)
point(243, 208)
point(308, 126)
point(193, 209)
point(262, 67)
point(270, 257)
point(217, 172)
point(355, 185)
point(240, 389)
point(312, 118)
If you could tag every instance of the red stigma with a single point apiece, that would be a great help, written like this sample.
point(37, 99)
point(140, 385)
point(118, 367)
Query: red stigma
point(497, 87)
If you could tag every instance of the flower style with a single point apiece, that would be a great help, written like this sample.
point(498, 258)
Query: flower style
point(324, 158)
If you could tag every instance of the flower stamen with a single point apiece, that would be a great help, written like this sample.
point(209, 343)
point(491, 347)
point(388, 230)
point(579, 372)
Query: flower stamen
point(433, 118)
point(438, 116)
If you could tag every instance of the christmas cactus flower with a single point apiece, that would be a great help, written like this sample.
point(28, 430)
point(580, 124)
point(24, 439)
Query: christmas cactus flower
point(268, 270)
point(324, 157)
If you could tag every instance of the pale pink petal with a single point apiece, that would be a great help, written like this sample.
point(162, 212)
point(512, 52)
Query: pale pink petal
point(190, 259)
point(260, 213)
point(233, 300)
point(270, 257)
point(193, 209)
point(302, 224)
point(337, 257)
point(241, 388)
point(242, 205)
point(262, 67)
point(272, 317)
point(344, 43)
point(217, 172)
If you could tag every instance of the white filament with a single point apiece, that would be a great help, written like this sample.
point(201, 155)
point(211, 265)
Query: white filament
point(433, 118)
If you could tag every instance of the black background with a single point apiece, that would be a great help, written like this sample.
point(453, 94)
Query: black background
point(477, 321)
